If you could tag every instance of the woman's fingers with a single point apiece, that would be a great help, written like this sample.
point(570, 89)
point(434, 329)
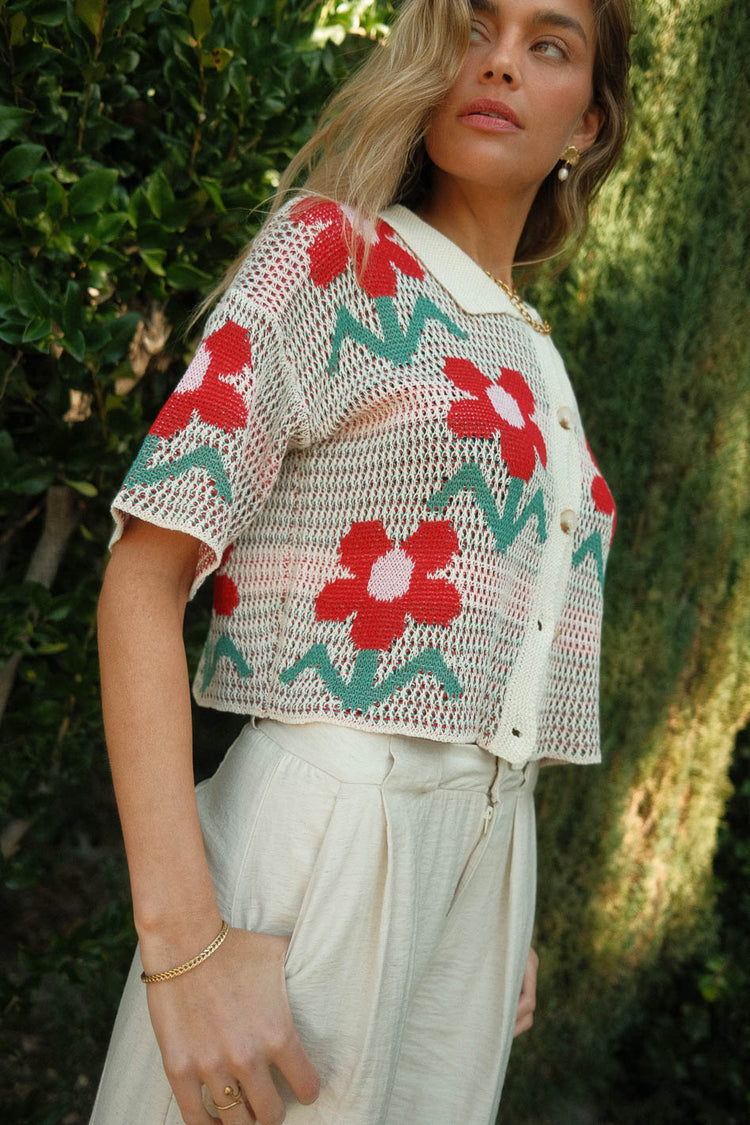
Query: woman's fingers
point(193, 1101)
point(527, 999)
point(288, 1054)
point(262, 1094)
point(229, 1106)
point(294, 1063)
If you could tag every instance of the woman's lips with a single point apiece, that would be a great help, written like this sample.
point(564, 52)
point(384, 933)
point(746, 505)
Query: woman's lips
point(490, 116)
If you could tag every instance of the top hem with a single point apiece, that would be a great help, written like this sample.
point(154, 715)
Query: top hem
point(462, 737)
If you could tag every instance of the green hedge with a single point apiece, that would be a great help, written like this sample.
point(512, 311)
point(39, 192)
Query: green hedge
point(139, 142)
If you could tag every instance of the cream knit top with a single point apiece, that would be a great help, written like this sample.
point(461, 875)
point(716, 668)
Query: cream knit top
point(387, 472)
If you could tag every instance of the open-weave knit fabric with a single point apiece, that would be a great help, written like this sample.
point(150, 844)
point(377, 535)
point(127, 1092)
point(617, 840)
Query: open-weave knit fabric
point(386, 468)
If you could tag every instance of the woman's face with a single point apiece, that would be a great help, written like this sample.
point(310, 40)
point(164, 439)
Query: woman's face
point(522, 95)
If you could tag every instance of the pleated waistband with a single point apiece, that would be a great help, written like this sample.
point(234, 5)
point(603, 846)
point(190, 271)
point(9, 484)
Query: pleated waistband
point(396, 760)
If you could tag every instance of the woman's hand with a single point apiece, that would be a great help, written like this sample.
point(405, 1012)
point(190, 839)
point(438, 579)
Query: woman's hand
point(527, 999)
point(226, 1023)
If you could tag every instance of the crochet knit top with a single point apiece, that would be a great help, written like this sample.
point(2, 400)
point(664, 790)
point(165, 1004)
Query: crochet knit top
point(386, 469)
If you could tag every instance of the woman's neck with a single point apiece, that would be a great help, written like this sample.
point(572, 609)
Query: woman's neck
point(485, 223)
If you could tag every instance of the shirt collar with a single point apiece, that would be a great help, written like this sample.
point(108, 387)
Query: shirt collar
point(466, 282)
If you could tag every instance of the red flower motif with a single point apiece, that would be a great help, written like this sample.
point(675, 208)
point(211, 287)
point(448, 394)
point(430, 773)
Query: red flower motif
point(391, 582)
point(603, 499)
point(224, 352)
point(226, 594)
point(330, 254)
point(504, 408)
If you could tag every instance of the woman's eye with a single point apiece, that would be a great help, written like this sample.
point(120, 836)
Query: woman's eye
point(477, 32)
point(551, 49)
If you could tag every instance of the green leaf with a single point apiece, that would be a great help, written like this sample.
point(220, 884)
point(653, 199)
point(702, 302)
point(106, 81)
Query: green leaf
point(72, 309)
point(200, 15)
point(6, 279)
point(160, 194)
point(17, 26)
point(97, 337)
point(139, 210)
point(20, 162)
point(110, 225)
point(92, 191)
point(37, 329)
point(50, 16)
point(75, 343)
point(217, 57)
point(154, 259)
point(29, 297)
point(213, 191)
point(93, 13)
point(12, 119)
point(29, 205)
point(121, 332)
point(85, 487)
point(55, 200)
point(181, 275)
point(32, 485)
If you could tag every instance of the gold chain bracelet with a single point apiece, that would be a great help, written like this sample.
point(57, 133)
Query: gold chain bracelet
point(152, 978)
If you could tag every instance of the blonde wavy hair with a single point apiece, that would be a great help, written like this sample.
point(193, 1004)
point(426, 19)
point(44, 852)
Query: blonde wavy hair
point(368, 150)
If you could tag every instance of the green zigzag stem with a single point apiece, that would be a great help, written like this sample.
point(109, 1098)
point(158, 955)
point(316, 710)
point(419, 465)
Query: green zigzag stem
point(591, 546)
point(203, 457)
point(224, 647)
point(506, 527)
point(430, 660)
point(396, 345)
point(361, 691)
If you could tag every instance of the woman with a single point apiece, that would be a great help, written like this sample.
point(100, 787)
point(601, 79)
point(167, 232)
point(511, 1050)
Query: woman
point(377, 450)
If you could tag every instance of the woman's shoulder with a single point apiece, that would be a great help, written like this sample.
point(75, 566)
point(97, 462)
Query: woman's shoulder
point(299, 244)
point(313, 244)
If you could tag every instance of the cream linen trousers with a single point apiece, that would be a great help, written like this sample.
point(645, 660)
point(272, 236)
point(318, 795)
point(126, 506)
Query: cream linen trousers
point(405, 871)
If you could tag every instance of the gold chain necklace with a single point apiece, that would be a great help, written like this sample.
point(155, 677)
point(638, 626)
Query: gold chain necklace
point(540, 326)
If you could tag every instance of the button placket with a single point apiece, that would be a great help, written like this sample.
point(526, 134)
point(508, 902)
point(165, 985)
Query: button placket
point(515, 737)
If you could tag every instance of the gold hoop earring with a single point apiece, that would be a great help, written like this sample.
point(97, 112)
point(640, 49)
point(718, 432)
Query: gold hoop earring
point(570, 156)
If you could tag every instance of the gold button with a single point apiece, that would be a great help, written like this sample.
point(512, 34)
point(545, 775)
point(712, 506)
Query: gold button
point(565, 418)
point(568, 521)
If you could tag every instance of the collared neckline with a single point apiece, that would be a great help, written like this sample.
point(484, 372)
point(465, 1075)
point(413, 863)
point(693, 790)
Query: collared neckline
point(467, 283)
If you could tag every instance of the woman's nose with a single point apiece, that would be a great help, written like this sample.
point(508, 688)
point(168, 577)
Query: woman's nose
point(507, 76)
point(501, 66)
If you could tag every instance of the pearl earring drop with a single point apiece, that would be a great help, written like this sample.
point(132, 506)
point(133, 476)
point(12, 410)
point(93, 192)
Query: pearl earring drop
point(570, 156)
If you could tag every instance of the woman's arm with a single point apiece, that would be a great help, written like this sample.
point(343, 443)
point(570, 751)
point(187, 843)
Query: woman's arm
point(228, 1019)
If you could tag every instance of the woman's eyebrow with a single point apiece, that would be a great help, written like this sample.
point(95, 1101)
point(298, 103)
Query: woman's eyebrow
point(547, 17)
point(557, 19)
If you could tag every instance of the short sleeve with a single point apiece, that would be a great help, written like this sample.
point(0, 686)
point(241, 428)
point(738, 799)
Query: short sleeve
point(210, 459)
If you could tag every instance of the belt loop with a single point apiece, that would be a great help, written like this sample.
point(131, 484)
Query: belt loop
point(495, 787)
point(530, 773)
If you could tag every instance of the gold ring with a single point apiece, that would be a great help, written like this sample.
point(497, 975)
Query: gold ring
point(231, 1093)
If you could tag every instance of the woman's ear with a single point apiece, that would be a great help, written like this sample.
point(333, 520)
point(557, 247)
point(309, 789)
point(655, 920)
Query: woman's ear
point(588, 127)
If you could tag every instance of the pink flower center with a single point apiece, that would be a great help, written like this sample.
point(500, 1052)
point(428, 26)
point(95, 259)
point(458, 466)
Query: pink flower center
point(390, 576)
point(506, 406)
point(195, 373)
point(362, 229)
